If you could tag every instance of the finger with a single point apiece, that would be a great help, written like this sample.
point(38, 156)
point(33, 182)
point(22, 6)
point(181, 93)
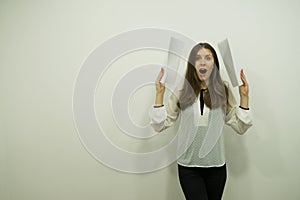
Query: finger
point(160, 75)
point(242, 74)
point(243, 77)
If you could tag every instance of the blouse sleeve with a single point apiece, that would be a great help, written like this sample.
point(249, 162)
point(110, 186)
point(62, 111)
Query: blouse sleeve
point(164, 116)
point(239, 119)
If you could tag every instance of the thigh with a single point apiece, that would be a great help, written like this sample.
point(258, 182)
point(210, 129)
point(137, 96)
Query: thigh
point(192, 183)
point(215, 182)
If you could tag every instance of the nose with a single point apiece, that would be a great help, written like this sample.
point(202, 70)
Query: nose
point(202, 62)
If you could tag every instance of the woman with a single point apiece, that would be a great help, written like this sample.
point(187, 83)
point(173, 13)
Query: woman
point(202, 176)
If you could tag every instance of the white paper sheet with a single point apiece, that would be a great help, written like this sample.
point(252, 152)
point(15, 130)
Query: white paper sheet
point(232, 68)
point(175, 47)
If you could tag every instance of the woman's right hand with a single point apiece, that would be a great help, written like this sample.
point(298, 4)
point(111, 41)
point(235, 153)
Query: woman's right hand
point(160, 87)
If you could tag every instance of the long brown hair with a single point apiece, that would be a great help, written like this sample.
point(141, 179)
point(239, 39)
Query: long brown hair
point(217, 91)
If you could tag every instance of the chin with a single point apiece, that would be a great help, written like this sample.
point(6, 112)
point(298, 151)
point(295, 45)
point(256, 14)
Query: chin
point(202, 78)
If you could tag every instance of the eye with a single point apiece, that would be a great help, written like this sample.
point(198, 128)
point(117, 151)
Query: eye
point(208, 58)
point(197, 58)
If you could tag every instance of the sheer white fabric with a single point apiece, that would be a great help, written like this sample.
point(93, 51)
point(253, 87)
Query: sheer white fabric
point(200, 141)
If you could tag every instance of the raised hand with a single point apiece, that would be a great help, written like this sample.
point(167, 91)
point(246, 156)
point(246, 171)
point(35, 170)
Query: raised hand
point(244, 88)
point(244, 91)
point(160, 88)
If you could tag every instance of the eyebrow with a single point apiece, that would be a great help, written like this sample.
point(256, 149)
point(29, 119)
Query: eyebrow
point(204, 55)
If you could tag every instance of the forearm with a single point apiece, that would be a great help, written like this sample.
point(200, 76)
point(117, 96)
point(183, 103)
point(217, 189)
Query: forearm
point(244, 101)
point(159, 99)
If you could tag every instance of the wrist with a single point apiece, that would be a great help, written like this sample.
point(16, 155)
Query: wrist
point(159, 99)
point(244, 96)
point(244, 103)
point(160, 93)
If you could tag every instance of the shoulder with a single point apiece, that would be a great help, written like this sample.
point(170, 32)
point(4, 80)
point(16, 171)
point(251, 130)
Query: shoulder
point(227, 87)
point(226, 84)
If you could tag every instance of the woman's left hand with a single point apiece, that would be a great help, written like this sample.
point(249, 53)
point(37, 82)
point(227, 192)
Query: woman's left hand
point(244, 88)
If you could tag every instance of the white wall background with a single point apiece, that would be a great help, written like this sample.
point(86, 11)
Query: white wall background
point(42, 46)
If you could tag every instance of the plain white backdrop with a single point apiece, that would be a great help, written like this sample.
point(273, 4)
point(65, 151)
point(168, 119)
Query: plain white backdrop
point(44, 43)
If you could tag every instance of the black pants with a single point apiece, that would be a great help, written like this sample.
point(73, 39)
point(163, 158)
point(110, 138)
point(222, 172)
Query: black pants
point(199, 183)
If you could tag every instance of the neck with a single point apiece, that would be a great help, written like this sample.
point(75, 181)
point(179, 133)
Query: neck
point(203, 85)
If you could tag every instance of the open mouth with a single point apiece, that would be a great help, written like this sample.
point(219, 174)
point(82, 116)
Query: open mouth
point(203, 71)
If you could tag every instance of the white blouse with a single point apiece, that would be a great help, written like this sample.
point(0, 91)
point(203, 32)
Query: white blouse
point(194, 128)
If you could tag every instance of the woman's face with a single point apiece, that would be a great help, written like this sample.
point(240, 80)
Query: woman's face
point(204, 63)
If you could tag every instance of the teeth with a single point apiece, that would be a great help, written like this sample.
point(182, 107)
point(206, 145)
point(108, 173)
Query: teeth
point(202, 71)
